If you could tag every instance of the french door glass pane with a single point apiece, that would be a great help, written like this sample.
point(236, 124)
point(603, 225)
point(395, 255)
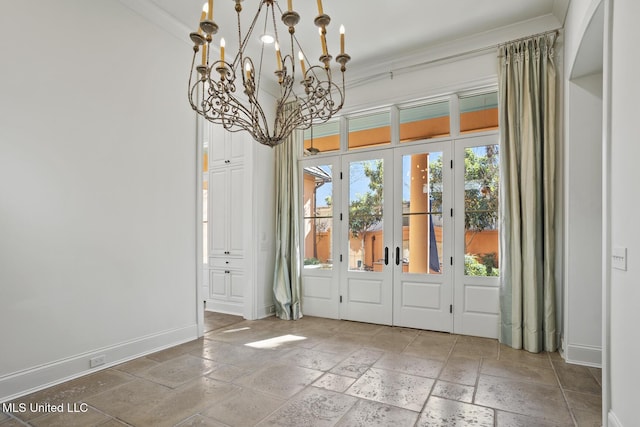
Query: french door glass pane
point(422, 213)
point(318, 217)
point(366, 234)
point(481, 191)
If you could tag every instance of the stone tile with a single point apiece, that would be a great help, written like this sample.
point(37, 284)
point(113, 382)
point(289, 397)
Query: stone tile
point(3, 416)
point(90, 417)
point(12, 422)
point(314, 359)
point(461, 370)
point(526, 398)
point(245, 408)
point(179, 371)
point(337, 346)
point(227, 373)
point(75, 391)
point(168, 354)
point(577, 378)
point(282, 381)
point(586, 408)
point(241, 333)
point(431, 345)
point(393, 340)
point(507, 419)
point(453, 391)
point(366, 413)
point(393, 388)
point(135, 366)
point(474, 346)
point(112, 422)
point(359, 328)
point(523, 357)
point(181, 403)
point(200, 421)
point(333, 382)
point(130, 398)
point(410, 365)
point(357, 363)
point(597, 374)
point(508, 369)
point(239, 355)
point(448, 413)
point(313, 407)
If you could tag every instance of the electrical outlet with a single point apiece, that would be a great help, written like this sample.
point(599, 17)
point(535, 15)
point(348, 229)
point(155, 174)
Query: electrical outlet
point(272, 309)
point(97, 361)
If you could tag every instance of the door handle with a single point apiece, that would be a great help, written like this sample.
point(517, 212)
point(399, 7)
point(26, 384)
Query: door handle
point(386, 255)
point(397, 255)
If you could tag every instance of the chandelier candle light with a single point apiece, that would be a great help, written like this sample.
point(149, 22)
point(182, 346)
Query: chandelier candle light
point(312, 92)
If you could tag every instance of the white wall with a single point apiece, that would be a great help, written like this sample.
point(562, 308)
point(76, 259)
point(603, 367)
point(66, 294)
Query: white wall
point(97, 189)
point(625, 152)
point(583, 230)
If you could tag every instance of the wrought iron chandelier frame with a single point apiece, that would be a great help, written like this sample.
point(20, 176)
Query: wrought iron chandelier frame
point(213, 86)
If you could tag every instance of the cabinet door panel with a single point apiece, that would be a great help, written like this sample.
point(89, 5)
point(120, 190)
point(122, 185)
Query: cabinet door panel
point(218, 211)
point(218, 284)
point(236, 211)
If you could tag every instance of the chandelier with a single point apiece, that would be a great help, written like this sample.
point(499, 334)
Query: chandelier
point(228, 92)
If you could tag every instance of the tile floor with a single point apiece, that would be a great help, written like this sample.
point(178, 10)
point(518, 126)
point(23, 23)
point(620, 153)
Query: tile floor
point(322, 372)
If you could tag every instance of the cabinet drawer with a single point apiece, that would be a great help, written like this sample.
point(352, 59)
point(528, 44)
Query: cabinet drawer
point(234, 263)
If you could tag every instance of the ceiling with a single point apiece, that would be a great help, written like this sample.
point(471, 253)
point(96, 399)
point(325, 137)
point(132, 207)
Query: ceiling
point(382, 32)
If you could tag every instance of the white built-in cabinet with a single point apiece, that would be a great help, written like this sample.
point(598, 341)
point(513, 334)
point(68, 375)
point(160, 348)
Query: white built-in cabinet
point(239, 233)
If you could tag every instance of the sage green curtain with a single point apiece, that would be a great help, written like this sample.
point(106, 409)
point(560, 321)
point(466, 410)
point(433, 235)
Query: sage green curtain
point(287, 276)
point(528, 145)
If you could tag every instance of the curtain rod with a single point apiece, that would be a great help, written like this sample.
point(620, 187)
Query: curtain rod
point(469, 53)
point(556, 31)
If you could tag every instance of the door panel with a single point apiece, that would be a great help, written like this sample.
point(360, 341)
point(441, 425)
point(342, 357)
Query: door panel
point(367, 280)
point(476, 305)
point(422, 280)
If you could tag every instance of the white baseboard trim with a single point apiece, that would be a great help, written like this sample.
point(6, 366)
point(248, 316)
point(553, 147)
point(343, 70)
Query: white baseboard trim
point(233, 308)
point(30, 380)
point(613, 420)
point(584, 355)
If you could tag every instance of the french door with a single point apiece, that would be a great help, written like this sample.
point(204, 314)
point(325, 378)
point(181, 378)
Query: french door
point(367, 232)
point(422, 271)
point(405, 236)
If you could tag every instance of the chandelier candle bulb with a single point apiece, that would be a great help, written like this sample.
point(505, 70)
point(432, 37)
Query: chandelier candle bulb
point(342, 39)
point(210, 10)
point(323, 40)
point(320, 11)
point(204, 54)
point(303, 67)
point(279, 56)
point(222, 43)
point(247, 68)
point(289, 5)
point(202, 16)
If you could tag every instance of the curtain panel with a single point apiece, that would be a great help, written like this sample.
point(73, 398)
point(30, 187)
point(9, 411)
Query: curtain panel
point(287, 275)
point(527, 106)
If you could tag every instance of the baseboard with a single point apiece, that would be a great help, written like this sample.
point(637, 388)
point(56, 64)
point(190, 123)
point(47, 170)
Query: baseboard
point(584, 355)
point(233, 308)
point(266, 311)
point(31, 380)
point(613, 420)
